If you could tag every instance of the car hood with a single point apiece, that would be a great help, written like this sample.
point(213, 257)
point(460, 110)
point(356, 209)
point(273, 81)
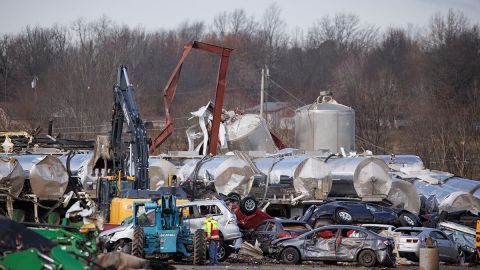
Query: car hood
point(114, 230)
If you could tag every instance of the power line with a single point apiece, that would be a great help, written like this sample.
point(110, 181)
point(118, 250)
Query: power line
point(286, 91)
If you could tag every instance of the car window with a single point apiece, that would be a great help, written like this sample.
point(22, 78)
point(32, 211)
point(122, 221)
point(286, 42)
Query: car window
point(262, 226)
point(409, 232)
point(271, 227)
point(353, 233)
point(373, 208)
point(326, 233)
point(187, 211)
point(438, 235)
point(210, 209)
point(294, 226)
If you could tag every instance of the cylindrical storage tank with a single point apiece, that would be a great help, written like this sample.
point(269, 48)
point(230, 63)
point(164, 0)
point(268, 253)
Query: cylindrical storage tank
point(446, 198)
point(81, 166)
point(249, 132)
point(326, 127)
point(396, 162)
point(228, 173)
point(303, 176)
point(404, 195)
point(12, 176)
point(159, 170)
point(462, 184)
point(364, 177)
point(49, 178)
point(28, 160)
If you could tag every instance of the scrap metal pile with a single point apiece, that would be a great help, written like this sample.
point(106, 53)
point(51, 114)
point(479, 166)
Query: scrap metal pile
point(321, 188)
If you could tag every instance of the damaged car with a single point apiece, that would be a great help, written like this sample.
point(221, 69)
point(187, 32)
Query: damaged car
point(336, 243)
point(413, 238)
point(351, 212)
point(464, 237)
point(273, 229)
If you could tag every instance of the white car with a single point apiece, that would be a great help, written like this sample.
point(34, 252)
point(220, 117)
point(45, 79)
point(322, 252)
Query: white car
point(380, 228)
point(413, 238)
point(120, 238)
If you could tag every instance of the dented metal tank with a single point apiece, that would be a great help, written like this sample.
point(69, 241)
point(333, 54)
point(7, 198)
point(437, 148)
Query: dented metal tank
point(48, 178)
point(11, 175)
point(325, 126)
point(364, 177)
point(226, 173)
point(81, 166)
point(303, 177)
point(249, 132)
point(403, 194)
point(438, 197)
point(159, 170)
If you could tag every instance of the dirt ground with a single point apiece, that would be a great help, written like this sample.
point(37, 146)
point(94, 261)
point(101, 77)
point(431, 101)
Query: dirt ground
point(239, 262)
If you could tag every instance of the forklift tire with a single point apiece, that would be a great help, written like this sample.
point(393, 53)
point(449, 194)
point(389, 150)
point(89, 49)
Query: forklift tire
point(138, 242)
point(199, 248)
point(248, 205)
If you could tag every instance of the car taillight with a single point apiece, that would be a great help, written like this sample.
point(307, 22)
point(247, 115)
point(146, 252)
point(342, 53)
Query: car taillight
point(412, 240)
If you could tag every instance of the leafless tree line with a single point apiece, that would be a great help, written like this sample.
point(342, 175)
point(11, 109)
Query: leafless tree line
point(414, 89)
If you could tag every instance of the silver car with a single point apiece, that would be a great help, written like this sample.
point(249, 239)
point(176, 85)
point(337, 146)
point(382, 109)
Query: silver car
point(413, 238)
point(195, 212)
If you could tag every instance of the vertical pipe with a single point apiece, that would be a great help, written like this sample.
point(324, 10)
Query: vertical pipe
point(262, 92)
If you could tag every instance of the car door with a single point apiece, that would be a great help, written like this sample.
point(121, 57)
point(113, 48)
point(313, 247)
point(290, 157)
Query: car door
point(268, 233)
point(321, 244)
point(260, 231)
point(447, 249)
point(348, 243)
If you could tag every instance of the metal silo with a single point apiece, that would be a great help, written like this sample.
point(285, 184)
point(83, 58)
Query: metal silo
point(325, 126)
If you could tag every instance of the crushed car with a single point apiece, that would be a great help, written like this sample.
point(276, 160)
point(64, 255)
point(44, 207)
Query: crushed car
point(336, 243)
point(351, 212)
point(464, 237)
point(273, 229)
point(413, 238)
point(195, 212)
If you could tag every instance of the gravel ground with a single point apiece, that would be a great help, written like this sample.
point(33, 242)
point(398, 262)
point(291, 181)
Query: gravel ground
point(239, 262)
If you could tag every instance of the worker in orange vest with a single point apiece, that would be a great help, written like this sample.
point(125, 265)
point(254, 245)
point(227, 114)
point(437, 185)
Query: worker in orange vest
point(213, 236)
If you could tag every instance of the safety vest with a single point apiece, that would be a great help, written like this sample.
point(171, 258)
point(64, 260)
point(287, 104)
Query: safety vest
point(211, 229)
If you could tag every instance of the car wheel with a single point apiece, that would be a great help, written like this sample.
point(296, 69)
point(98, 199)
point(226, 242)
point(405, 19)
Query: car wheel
point(234, 196)
point(408, 220)
point(223, 252)
point(321, 222)
point(367, 258)
point(290, 255)
point(248, 205)
point(123, 245)
point(343, 216)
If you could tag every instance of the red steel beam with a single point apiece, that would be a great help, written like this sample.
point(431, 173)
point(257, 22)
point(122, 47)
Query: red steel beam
point(171, 87)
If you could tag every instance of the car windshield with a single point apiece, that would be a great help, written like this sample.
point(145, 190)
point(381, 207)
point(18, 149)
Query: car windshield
point(409, 232)
point(293, 226)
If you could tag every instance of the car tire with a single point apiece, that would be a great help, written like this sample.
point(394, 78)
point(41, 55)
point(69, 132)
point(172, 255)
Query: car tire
point(223, 252)
point(248, 205)
point(199, 248)
point(234, 196)
point(138, 242)
point(408, 220)
point(290, 255)
point(367, 258)
point(123, 245)
point(343, 216)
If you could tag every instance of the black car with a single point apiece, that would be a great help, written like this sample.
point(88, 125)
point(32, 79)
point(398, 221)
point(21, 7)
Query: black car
point(336, 243)
point(353, 212)
point(272, 229)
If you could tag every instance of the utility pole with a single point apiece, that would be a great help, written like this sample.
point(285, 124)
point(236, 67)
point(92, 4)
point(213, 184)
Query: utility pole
point(262, 90)
point(265, 74)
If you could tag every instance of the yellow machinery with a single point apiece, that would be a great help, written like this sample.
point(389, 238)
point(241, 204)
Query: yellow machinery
point(477, 242)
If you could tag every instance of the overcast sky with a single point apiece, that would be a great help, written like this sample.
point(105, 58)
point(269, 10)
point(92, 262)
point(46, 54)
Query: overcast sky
point(155, 14)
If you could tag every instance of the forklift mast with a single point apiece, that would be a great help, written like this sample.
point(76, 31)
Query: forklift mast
point(125, 109)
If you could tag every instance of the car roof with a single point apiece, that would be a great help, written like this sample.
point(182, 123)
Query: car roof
point(286, 221)
point(340, 227)
point(416, 229)
point(202, 202)
point(377, 225)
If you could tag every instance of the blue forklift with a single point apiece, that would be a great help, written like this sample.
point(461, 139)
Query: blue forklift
point(160, 232)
